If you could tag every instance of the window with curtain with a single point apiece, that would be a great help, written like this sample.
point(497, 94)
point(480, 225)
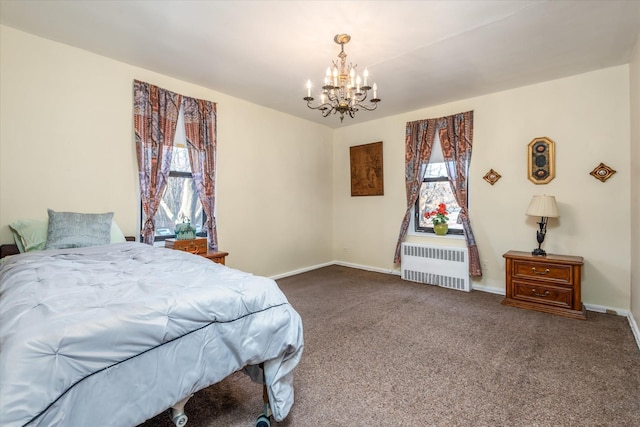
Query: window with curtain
point(455, 133)
point(435, 189)
point(156, 112)
point(180, 198)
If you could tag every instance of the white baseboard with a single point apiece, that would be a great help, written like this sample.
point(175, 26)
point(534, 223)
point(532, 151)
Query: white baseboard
point(590, 307)
point(301, 270)
point(487, 289)
point(608, 310)
point(326, 264)
point(634, 328)
point(366, 267)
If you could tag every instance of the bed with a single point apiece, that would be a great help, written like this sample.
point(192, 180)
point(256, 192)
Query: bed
point(115, 334)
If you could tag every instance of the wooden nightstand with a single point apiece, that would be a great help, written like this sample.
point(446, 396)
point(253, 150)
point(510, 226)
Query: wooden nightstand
point(550, 284)
point(215, 256)
point(197, 247)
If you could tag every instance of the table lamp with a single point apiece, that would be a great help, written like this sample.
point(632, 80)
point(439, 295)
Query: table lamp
point(545, 207)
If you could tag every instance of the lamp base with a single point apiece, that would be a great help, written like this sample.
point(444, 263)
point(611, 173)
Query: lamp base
point(538, 252)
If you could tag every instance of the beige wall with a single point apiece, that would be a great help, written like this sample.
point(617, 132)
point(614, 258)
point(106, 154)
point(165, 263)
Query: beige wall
point(283, 183)
point(588, 118)
point(634, 78)
point(66, 142)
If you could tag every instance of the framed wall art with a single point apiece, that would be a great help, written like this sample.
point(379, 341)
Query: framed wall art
point(602, 172)
point(492, 177)
point(541, 160)
point(367, 177)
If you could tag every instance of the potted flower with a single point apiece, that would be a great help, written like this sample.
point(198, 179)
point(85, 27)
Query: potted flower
point(184, 230)
point(439, 218)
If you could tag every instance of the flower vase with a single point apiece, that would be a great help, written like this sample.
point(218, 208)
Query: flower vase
point(441, 229)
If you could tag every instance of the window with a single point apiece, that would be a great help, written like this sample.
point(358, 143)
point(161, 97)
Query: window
point(180, 198)
point(435, 189)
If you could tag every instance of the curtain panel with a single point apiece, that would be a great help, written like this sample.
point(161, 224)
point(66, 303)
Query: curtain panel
point(418, 142)
point(155, 116)
point(200, 122)
point(456, 139)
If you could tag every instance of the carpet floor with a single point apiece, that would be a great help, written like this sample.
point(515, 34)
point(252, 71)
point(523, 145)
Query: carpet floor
point(380, 351)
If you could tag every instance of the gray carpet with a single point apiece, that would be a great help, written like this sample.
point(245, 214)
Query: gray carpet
point(380, 351)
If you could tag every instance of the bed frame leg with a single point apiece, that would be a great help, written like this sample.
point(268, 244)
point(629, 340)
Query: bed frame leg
point(264, 420)
point(266, 408)
point(178, 416)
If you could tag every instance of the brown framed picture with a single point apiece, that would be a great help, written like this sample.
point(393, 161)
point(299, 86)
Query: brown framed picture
point(541, 160)
point(366, 170)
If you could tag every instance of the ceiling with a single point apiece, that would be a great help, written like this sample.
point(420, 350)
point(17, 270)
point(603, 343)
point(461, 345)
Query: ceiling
point(420, 53)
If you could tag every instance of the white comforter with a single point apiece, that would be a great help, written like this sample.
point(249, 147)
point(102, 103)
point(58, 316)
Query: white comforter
point(115, 334)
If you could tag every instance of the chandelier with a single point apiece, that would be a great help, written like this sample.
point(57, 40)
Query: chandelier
point(343, 91)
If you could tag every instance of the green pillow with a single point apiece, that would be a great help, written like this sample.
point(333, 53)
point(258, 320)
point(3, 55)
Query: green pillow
point(117, 236)
point(29, 234)
point(77, 230)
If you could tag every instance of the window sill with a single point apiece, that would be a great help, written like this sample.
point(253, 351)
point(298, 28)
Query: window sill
point(433, 235)
point(446, 236)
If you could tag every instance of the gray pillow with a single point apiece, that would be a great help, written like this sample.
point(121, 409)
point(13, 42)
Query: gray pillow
point(77, 230)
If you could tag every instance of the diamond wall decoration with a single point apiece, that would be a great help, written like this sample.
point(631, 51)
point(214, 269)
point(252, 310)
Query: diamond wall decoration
point(492, 177)
point(602, 172)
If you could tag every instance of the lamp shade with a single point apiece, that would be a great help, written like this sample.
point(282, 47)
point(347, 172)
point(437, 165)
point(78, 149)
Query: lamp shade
point(543, 205)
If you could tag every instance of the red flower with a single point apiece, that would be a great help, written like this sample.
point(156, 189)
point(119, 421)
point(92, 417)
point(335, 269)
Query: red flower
point(439, 216)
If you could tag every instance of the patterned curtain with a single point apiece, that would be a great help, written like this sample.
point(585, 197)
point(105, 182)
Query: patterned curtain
point(155, 116)
point(419, 137)
point(456, 138)
point(200, 128)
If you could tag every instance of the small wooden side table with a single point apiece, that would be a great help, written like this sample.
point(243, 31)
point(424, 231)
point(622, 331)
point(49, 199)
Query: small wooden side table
point(550, 284)
point(215, 256)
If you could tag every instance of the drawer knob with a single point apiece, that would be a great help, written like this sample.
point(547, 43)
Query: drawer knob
point(544, 294)
point(539, 272)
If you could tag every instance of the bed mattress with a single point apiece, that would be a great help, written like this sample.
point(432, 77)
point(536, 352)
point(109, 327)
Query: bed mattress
point(115, 334)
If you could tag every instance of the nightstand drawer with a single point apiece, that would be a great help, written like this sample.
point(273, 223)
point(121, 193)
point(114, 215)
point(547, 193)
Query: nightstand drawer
point(544, 294)
point(543, 271)
point(195, 246)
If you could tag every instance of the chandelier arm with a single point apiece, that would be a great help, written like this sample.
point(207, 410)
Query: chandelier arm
point(359, 98)
point(366, 107)
point(324, 105)
point(332, 97)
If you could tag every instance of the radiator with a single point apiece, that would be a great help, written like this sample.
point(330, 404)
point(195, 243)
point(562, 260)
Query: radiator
point(434, 265)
